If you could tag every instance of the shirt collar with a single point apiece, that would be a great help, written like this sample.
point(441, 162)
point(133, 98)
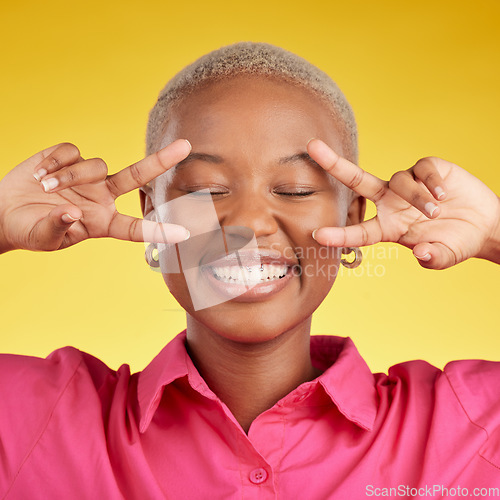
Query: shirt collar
point(346, 379)
point(169, 365)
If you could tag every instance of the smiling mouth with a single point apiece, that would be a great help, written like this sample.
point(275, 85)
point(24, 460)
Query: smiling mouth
point(250, 275)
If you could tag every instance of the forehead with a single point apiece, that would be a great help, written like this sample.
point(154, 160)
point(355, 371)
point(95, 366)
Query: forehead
point(250, 111)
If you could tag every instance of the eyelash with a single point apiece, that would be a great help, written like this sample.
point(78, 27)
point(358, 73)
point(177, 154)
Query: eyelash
point(296, 193)
point(299, 193)
point(212, 193)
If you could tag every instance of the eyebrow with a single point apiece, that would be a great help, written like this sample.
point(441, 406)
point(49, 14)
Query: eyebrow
point(200, 157)
point(299, 157)
point(208, 158)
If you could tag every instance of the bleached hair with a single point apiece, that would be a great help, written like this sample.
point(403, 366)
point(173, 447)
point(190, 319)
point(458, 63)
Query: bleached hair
point(260, 59)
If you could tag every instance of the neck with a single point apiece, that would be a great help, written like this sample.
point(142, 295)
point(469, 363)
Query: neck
point(251, 377)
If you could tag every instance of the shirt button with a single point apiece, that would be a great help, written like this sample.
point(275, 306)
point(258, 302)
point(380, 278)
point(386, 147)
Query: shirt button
point(258, 476)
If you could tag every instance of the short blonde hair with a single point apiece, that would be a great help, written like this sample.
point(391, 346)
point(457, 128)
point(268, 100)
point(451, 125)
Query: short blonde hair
point(253, 58)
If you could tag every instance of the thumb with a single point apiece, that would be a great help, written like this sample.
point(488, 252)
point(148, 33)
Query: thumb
point(50, 231)
point(434, 255)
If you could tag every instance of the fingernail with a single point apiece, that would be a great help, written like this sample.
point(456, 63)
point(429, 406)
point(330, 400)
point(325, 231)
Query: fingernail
point(312, 139)
point(190, 149)
point(49, 184)
point(314, 234)
point(39, 174)
point(188, 235)
point(440, 194)
point(430, 208)
point(425, 257)
point(68, 219)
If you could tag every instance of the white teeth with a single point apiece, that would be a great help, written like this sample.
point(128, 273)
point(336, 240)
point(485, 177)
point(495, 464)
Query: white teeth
point(250, 275)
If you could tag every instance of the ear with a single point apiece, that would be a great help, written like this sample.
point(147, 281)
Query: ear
point(145, 196)
point(357, 209)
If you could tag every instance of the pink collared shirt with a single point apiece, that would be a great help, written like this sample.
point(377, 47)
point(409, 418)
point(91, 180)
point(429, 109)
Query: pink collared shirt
point(71, 428)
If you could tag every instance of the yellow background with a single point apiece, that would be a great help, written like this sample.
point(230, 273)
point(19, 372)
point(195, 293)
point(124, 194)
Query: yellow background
point(423, 78)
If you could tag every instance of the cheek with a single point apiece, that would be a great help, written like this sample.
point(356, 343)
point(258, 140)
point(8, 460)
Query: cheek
point(302, 218)
point(319, 264)
point(177, 286)
point(174, 279)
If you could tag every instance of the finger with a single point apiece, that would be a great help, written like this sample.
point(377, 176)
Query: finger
point(404, 185)
point(140, 173)
point(84, 172)
point(348, 173)
point(434, 255)
point(62, 155)
point(426, 170)
point(125, 227)
point(365, 233)
point(49, 232)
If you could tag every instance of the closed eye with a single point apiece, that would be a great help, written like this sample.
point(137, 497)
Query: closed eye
point(205, 192)
point(296, 193)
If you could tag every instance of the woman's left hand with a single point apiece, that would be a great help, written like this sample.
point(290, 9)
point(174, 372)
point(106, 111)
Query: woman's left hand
point(439, 210)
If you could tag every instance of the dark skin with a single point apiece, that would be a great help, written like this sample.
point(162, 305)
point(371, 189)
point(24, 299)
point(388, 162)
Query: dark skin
point(249, 354)
point(252, 354)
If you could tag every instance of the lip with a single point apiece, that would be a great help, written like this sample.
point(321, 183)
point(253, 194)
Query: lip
point(242, 258)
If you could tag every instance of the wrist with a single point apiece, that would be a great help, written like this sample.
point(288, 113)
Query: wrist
point(491, 248)
point(5, 246)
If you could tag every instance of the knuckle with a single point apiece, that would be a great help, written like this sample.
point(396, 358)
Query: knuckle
point(112, 222)
point(54, 163)
point(379, 193)
point(70, 176)
point(68, 145)
point(132, 229)
point(425, 163)
point(364, 236)
point(415, 197)
point(356, 179)
point(70, 148)
point(395, 178)
point(99, 165)
point(103, 166)
point(161, 161)
point(430, 177)
point(112, 186)
point(136, 174)
point(344, 236)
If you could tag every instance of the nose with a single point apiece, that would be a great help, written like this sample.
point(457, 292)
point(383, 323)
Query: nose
point(250, 210)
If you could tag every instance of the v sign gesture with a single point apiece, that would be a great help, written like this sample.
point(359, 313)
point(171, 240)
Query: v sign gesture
point(56, 199)
point(437, 209)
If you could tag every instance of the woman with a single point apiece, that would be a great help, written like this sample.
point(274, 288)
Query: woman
point(244, 403)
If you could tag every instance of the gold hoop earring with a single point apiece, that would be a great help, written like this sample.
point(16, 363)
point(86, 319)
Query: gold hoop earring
point(358, 257)
point(151, 255)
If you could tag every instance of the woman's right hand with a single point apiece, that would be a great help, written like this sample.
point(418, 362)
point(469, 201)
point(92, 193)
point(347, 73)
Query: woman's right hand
point(56, 199)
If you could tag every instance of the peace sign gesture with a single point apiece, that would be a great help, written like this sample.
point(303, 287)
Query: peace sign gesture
point(56, 199)
point(439, 210)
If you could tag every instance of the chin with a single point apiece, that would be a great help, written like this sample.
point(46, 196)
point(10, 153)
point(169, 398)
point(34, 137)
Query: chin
point(254, 321)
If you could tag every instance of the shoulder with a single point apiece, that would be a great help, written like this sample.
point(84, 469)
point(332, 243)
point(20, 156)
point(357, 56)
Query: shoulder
point(418, 375)
point(472, 385)
point(33, 387)
point(69, 391)
point(21, 375)
point(476, 385)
